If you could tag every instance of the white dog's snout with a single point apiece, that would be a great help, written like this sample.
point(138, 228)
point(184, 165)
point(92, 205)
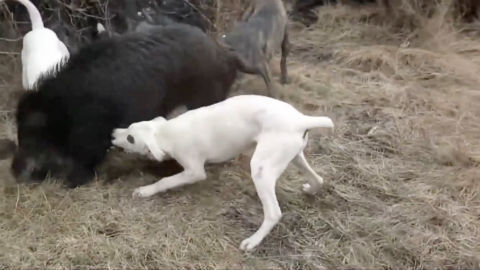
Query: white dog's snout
point(117, 133)
point(116, 138)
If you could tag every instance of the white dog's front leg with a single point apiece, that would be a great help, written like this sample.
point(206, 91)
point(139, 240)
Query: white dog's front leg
point(188, 176)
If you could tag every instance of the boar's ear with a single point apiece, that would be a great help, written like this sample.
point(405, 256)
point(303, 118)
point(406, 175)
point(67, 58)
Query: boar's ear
point(7, 148)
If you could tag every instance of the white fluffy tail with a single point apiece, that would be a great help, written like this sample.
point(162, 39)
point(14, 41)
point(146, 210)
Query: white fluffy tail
point(33, 13)
point(310, 122)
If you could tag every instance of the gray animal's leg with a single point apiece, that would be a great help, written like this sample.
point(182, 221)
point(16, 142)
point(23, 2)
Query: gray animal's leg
point(286, 46)
point(266, 75)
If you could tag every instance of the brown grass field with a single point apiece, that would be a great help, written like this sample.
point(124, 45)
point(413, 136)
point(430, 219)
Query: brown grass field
point(402, 169)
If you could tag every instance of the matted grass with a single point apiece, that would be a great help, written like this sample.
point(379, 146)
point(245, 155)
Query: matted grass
point(402, 171)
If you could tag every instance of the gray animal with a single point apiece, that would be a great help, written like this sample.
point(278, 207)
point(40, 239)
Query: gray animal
point(262, 31)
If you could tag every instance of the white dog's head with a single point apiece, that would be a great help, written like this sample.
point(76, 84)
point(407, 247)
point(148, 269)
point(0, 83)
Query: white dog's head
point(139, 138)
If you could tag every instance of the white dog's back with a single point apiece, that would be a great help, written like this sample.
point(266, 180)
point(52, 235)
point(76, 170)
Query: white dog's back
point(263, 112)
point(232, 126)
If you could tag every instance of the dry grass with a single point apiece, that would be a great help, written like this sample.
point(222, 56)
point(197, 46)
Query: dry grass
point(402, 171)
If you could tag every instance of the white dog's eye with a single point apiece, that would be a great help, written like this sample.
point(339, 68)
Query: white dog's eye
point(130, 139)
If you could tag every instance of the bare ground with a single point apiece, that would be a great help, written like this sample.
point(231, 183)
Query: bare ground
point(402, 170)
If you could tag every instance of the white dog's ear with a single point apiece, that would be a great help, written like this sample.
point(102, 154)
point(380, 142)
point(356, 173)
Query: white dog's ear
point(154, 148)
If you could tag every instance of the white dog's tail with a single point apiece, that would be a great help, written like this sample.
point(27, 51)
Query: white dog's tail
point(310, 122)
point(33, 13)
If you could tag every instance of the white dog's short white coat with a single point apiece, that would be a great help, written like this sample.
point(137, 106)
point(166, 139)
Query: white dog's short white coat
point(42, 51)
point(222, 131)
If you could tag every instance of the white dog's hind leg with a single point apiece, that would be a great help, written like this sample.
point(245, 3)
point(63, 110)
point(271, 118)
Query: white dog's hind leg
point(270, 159)
point(190, 175)
point(315, 181)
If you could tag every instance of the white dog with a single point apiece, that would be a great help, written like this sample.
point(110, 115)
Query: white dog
point(222, 131)
point(42, 50)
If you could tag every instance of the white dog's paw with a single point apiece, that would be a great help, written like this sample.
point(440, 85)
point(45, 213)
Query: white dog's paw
point(250, 243)
point(307, 188)
point(143, 192)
